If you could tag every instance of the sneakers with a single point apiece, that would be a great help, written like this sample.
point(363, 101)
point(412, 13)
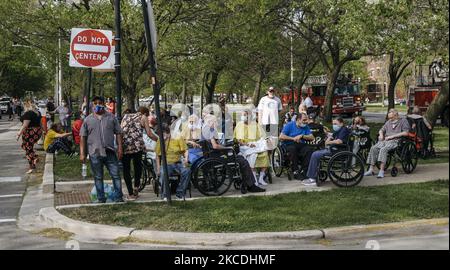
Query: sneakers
point(380, 174)
point(309, 182)
point(369, 173)
point(255, 189)
point(261, 182)
point(179, 198)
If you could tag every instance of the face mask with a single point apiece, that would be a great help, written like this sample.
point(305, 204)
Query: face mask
point(243, 118)
point(302, 125)
point(190, 126)
point(336, 127)
point(99, 108)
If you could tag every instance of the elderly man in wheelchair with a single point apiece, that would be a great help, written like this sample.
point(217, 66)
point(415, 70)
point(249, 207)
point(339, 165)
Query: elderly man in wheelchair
point(220, 165)
point(339, 137)
point(391, 136)
point(175, 147)
point(294, 137)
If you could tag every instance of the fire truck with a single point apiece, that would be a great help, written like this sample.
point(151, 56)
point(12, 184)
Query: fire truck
point(346, 96)
point(429, 80)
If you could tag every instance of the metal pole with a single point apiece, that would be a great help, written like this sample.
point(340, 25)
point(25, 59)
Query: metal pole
point(88, 95)
point(117, 60)
point(59, 72)
point(156, 93)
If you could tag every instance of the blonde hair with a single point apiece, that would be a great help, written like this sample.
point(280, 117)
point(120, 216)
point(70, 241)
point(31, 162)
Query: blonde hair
point(28, 105)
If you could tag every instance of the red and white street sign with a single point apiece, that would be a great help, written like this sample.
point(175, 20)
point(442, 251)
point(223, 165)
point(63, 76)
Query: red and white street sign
point(90, 48)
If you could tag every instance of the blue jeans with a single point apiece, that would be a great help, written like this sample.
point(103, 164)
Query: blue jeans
point(314, 162)
point(194, 154)
point(184, 182)
point(112, 164)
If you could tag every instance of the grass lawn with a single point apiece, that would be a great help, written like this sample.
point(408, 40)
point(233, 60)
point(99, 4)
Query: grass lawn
point(285, 212)
point(380, 109)
point(69, 169)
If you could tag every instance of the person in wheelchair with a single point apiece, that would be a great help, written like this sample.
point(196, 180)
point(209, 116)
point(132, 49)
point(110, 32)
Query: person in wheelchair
point(210, 134)
point(192, 133)
point(291, 115)
point(360, 130)
point(175, 147)
point(388, 139)
point(248, 134)
point(294, 136)
point(338, 137)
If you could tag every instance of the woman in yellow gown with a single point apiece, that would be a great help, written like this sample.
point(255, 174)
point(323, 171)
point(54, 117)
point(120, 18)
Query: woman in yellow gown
point(247, 133)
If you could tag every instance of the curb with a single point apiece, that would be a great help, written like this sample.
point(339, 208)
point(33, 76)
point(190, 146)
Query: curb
point(106, 232)
point(383, 228)
point(94, 231)
point(48, 180)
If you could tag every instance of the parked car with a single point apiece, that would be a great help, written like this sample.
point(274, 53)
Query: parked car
point(4, 104)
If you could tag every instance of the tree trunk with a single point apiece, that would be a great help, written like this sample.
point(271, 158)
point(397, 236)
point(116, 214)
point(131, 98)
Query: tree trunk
point(257, 92)
point(391, 93)
point(328, 103)
point(131, 96)
point(211, 87)
point(183, 92)
point(438, 106)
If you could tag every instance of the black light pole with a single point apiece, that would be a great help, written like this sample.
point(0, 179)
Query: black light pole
point(156, 94)
point(88, 94)
point(117, 67)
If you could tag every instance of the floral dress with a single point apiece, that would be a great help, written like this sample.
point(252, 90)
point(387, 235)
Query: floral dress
point(133, 141)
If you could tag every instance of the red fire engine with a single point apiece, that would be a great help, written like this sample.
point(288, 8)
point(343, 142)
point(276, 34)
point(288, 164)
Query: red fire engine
point(346, 97)
point(427, 88)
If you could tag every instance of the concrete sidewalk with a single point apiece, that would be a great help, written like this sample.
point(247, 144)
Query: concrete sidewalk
point(423, 173)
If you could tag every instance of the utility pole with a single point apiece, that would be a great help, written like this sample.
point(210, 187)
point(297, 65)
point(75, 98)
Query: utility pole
point(117, 66)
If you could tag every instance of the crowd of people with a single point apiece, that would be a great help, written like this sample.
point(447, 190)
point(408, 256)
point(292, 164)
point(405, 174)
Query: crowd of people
point(100, 138)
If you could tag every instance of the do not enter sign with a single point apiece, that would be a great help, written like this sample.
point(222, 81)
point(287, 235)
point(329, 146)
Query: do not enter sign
point(91, 49)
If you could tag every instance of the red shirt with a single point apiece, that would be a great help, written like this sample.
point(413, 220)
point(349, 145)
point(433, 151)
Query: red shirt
point(76, 127)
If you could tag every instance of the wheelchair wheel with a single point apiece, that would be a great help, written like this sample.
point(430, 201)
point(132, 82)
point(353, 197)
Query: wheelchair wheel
point(345, 169)
point(277, 162)
point(409, 157)
point(212, 177)
point(394, 171)
point(148, 175)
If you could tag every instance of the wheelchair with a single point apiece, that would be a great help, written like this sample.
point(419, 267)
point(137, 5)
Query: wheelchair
point(406, 153)
point(343, 167)
point(280, 157)
point(361, 142)
point(149, 178)
point(215, 172)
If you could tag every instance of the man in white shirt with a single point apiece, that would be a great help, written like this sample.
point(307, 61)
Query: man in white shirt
point(268, 110)
point(307, 101)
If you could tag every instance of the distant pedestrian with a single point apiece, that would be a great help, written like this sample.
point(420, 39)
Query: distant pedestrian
point(10, 110)
point(269, 108)
point(111, 105)
point(97, 133)
point(64, 113)
point(50, 109)
point(31, 132)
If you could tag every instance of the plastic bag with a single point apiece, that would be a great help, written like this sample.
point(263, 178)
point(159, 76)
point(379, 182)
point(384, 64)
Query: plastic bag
point(109, 192)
